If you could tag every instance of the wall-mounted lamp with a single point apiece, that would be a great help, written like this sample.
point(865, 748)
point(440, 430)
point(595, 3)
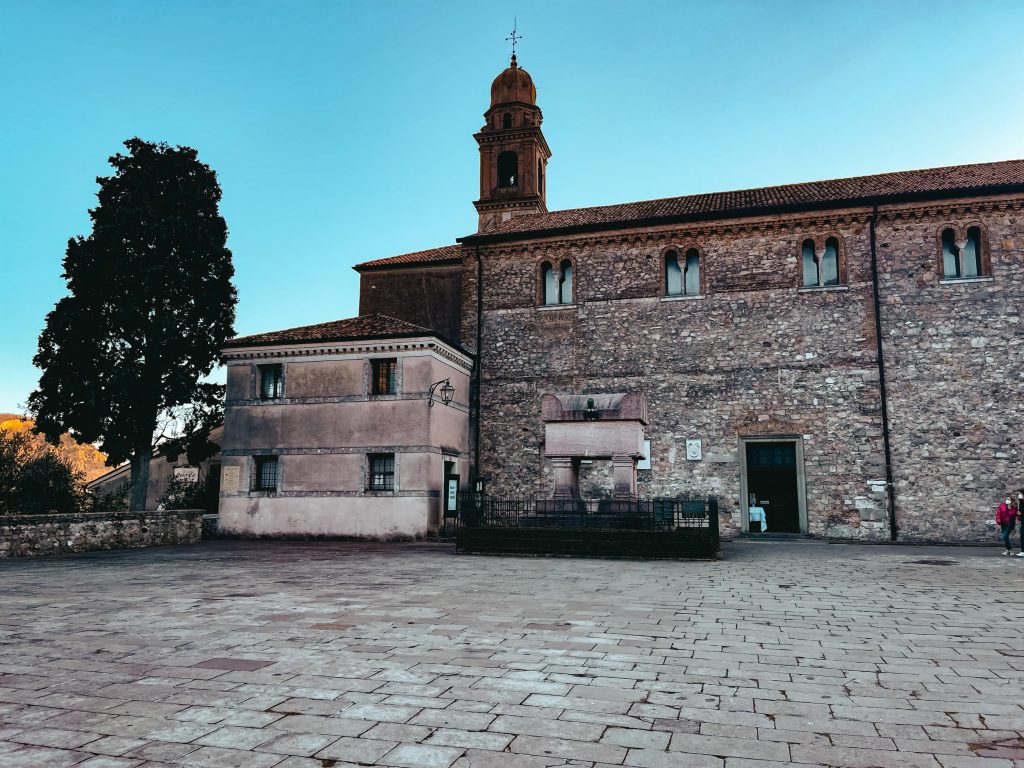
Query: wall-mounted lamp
point(447, 392)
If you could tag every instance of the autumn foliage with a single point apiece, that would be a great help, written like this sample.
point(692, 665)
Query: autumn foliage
point(39, 478)
point(83, 458)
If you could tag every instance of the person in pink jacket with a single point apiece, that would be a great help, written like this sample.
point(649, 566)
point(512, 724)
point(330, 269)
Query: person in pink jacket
point(1006, 518)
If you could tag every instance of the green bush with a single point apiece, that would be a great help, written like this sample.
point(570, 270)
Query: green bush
point(35, 480)
point(182, 494)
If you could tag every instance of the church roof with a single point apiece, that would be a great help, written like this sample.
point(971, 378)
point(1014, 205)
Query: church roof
point(446, 254)
point(930, 183)
point(350, 329)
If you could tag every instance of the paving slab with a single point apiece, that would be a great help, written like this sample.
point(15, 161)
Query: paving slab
point(294, 655)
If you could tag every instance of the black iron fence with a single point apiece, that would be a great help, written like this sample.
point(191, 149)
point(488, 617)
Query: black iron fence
point(684, 526)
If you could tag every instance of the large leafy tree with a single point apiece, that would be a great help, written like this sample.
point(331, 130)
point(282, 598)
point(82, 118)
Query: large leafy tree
point(149, 305)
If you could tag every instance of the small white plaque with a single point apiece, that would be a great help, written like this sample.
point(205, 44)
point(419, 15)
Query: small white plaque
point(187, 474)
point(693, 451)
point(229, 479)
point(645, 462)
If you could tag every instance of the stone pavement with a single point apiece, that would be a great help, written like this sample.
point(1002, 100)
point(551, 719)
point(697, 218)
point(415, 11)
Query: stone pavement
point(338, 654)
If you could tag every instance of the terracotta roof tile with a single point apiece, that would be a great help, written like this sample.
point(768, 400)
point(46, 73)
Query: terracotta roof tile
point(350, 329)
point(446, 253)
point(859, 190)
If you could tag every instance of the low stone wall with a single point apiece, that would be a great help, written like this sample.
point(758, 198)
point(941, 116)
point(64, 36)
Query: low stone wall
point(32, 535)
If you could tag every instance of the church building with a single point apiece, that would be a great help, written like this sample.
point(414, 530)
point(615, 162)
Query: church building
point(844, 355)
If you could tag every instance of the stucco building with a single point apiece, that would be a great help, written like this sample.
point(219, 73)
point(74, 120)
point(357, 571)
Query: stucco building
point(845, 352)
point(347, 428)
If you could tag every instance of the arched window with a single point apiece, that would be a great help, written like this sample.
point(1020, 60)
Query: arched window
point(682, 277)
point(540, 177)
point(820, 267)
point(556, 284)
point(506, 120)
point(961, 259)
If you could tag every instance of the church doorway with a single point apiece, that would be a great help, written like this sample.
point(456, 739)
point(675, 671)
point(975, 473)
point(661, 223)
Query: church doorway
point(772, 480)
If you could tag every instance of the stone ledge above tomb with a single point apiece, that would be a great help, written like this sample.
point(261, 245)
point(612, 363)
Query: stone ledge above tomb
point(619, 406)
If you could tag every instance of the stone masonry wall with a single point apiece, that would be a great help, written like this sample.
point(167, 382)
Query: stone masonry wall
point(955, 360)
point(758, 355)
point(427, 296)
point(29, 536)
point(754, 356)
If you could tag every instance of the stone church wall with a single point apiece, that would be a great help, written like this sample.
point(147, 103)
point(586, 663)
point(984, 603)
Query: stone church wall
point(758, 355)
point(955, 360)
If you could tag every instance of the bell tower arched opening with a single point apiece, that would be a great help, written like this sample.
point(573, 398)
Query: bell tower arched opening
point(508, 169)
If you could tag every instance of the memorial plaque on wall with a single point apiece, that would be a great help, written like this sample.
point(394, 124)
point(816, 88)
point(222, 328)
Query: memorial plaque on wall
point(229, 479)
point(693, 450)
point(186, 474)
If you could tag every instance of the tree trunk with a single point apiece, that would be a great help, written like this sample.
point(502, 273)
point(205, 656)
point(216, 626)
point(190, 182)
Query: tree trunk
point(140, 477)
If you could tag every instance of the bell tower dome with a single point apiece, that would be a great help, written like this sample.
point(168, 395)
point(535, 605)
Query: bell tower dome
point(513, 152)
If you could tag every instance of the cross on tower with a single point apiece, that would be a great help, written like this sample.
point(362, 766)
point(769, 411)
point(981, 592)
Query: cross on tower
point(514, 37)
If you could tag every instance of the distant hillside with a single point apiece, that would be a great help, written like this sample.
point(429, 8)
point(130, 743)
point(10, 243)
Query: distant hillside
point(81, 456)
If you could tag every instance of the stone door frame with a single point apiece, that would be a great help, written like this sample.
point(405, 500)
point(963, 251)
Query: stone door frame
point(801, 476)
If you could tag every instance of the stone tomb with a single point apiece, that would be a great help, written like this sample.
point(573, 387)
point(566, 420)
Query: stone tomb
point(599, 426)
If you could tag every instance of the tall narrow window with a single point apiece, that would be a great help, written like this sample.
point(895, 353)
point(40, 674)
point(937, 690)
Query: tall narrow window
point(508, 169)
point(549, 283)
point(506, 120)
point(382, 472)
point(271, 382)
point(385, 377)
point(540, 177)
point(264, 476)
point(829, 266)
point(565, 284)
point(810, 264)
point(673, 275)
point(691, 280)
point(970, 257)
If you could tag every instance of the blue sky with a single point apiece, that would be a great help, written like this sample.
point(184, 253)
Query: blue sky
point(342, 131)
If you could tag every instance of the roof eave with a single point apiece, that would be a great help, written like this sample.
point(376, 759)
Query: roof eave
point(855, 202)
point(241, 343)
point(372, 267)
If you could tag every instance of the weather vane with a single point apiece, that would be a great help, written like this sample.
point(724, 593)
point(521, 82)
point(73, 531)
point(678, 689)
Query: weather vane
point(514, 37)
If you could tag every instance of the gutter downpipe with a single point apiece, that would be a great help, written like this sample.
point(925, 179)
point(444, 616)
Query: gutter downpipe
point(890, 487)
point(479, 364)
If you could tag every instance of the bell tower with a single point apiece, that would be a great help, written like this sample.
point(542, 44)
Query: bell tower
point(513, 152)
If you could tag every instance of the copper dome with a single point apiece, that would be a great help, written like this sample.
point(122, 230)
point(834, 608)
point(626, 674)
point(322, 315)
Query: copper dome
point(514, 84)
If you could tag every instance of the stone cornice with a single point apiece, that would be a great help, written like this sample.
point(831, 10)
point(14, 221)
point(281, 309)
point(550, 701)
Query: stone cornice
point(817, 220)
point(352, 349)
point(947, 210)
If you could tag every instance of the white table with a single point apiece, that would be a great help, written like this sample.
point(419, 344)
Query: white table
point(757, 514)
